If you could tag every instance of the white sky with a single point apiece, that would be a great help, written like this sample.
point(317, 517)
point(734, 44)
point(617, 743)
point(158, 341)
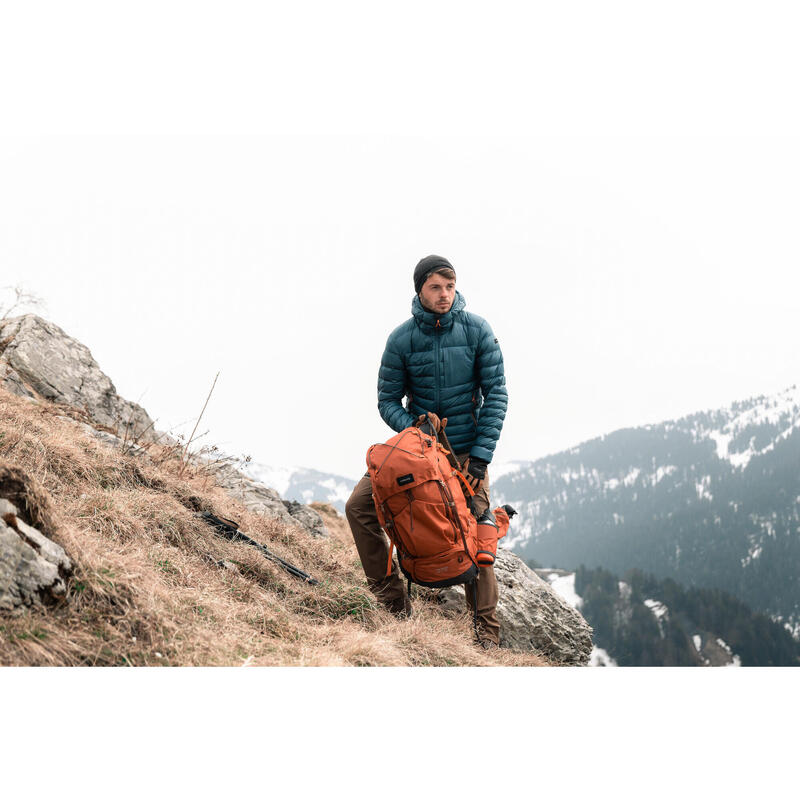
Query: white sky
point(626, 220)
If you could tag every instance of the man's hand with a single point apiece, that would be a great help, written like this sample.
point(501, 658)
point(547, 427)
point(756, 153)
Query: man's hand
point(438, 425)
point(474, 470)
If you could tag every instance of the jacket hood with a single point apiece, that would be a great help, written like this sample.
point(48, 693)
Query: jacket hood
point(427, 320)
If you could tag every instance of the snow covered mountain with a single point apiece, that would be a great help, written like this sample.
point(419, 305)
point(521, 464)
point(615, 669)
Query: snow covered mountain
point(711, 500)
point(302, 484)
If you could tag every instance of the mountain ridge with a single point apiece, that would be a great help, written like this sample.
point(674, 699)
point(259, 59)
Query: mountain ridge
point(711, 499)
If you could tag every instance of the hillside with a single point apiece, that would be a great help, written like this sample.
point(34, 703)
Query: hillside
point(711, 500)
point(153, 585)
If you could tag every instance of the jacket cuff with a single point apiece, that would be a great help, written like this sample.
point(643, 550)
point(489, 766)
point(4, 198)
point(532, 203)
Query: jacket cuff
point(482, 452)
point(410, 421)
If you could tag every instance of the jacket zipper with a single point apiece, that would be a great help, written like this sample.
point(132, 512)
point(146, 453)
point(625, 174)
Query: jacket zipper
point(436, 357)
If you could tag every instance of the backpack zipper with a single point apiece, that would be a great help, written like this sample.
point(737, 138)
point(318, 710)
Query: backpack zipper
point(450, 505)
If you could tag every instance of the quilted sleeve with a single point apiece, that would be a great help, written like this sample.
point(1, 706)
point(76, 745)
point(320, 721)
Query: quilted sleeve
point(489, 362)
point(392, 388)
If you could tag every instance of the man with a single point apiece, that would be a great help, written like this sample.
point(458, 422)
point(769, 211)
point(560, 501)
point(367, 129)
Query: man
point(447, 363)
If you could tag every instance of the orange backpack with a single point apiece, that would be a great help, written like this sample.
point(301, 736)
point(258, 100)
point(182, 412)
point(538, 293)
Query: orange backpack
point(420, 504)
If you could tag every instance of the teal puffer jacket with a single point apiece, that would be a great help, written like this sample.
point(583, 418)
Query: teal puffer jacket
point(449, 364)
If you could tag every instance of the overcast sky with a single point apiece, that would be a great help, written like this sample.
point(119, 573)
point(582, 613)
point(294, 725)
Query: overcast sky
point(628, 279)
point(616, 188)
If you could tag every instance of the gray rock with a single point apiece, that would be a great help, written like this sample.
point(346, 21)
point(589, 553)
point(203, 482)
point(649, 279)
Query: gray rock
point(115, 442)
point(532, 616)
point(10, 380)
point(33, 569)
point(37, 357)
point(307, 517)
point(262, 500)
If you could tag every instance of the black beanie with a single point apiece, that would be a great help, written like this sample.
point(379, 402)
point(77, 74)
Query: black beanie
point(426, 266)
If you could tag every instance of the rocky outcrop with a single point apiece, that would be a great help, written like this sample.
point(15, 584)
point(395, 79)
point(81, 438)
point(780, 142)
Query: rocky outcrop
point(307, 517)
point(33, 568)
point(263, 500)
point(38, 358)
point(532, 616)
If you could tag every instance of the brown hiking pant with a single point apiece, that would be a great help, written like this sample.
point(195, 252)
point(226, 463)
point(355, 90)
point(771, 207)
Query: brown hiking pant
point(373, 550)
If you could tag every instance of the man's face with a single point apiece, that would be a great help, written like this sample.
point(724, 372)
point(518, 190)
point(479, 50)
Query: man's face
point(437, 293)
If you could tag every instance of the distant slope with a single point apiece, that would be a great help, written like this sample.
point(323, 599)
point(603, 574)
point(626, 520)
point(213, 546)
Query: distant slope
point(711, 500)
point(303, 485)
point(643, 621)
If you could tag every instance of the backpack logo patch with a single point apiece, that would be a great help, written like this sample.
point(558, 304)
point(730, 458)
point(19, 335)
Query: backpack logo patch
point(404, 480)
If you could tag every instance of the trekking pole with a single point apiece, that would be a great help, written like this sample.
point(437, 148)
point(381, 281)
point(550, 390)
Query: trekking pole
point(228, 529)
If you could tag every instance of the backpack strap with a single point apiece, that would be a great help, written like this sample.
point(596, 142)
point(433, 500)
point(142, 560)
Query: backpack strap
point(451, 457)
point(469, 489)
point(389, 564)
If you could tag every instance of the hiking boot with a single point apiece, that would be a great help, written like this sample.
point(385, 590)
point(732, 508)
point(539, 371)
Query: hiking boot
point(488, 644)
point(401, 608)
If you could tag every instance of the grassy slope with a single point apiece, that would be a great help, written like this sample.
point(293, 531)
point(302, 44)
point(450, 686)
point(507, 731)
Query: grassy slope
point(146, 590)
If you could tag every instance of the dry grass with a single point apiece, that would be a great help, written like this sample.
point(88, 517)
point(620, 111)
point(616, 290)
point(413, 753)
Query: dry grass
point(148, 588)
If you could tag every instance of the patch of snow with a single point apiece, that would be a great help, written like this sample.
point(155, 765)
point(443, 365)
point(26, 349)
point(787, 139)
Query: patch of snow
point(698, 642)
point(702, 487)
point(631, 477)
point(662, 472)
point(659, 612)
point(752, 555)
point(564, 585)
point(721, 440)
point(742, 459)
point(735, 660)
point(624, 590)
point(793, 628)
point(601, 658)
point(657, 607)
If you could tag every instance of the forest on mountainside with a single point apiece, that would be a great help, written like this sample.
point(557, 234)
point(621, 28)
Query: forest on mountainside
point(633, 633)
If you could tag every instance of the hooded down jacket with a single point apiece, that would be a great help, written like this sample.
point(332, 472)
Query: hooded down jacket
point(450, 365)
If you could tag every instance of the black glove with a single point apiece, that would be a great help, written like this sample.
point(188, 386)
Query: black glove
point(477, 467)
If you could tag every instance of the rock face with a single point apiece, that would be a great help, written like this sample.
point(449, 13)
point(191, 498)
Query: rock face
point(37, 357)
point(532, 616)
point(33, 569)
point(306, 517)
point(263, 500)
